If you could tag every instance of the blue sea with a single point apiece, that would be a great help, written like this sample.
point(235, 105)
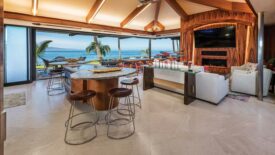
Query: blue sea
point(49, 55)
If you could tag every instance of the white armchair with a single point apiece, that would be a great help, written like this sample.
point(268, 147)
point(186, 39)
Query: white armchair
point(244, 81)
point(211, 87)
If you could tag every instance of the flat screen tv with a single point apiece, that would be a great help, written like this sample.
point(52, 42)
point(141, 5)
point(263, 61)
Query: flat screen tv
point(216, 37)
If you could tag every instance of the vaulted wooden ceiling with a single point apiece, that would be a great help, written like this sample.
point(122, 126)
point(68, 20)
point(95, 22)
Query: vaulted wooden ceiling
point(125, 14)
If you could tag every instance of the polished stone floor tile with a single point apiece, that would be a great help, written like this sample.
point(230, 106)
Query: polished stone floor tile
point(164, 126)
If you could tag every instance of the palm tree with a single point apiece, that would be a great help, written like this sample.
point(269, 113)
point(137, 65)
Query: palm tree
point(40, 49)
point(146, 52)
point(99, 48)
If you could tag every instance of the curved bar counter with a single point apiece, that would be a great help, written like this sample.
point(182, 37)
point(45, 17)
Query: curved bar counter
point(82, 78)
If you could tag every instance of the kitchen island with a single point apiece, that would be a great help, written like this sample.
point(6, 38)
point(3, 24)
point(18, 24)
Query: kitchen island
point(82, 77)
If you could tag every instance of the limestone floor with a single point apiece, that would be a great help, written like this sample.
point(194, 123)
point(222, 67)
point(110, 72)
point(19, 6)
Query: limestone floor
point(164, 126)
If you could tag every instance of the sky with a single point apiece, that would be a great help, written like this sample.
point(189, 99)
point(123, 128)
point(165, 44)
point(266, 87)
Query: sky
point(80, 42)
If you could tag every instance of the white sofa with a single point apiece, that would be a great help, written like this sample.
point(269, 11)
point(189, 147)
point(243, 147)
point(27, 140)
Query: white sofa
point(244, 81)
point(173, 75)
point(211, 87)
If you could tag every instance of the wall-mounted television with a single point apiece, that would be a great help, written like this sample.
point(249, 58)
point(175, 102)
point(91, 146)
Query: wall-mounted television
point(216, 37)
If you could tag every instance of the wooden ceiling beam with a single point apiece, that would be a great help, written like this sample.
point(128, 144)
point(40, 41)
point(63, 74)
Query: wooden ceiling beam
point(148, 26)
point(220, 4)
point(175, 5)
point(151, 27)
point(155, 25)
point(172, 31)
point(241, 7)
point(34, 7)
point(68, 23)
point(94, 10)
point(251, 7)
point(134, 14)
point(158, 4)
point(224, 5)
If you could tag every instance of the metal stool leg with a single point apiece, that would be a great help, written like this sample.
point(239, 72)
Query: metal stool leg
point(58, 82)
point(129, 120)
point(133, 96)
point(139, 100)
point(69, 124)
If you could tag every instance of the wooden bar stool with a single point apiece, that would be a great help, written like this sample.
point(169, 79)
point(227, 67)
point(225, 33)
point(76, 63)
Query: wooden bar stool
point(120, 120)
point(86, 95)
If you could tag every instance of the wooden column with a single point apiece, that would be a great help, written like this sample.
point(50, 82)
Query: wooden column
point(2, 113)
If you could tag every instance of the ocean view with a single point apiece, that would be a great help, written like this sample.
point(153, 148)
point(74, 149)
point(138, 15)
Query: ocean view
point(49, 55)
point(74, 46)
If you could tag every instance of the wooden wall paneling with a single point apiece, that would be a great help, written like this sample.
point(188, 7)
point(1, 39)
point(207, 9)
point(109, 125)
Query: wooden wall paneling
point(215, 25)
point(182, 54)
point(252, 47)
point(241, 34)
point(219, 18)
point(247, 51)
point(194, 53)
point(188, 45)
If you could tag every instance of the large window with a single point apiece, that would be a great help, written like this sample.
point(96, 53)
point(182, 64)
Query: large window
point(64, 44)
point(161, 45)
point(134, 47)
point(16, 55)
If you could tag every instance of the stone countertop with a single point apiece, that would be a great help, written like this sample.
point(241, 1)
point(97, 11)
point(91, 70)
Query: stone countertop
point(83, 72)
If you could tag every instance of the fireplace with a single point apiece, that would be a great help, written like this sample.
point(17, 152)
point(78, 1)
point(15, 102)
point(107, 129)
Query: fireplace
point(218, 60)
point(214, 58)
point(214, 53)
point(214, 62)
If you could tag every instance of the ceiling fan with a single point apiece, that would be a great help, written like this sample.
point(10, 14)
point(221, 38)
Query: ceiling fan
point(144, 2)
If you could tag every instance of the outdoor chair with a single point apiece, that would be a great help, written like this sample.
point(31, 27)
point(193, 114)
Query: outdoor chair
point(82, 58)
point(59, 59)
point(46, 63)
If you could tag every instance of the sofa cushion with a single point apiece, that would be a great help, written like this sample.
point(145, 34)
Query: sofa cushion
point(211, 87)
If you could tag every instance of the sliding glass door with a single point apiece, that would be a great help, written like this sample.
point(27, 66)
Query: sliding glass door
point(17, 55)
